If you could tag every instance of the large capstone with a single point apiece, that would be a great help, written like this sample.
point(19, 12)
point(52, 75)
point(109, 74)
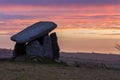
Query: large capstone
point(33, 32)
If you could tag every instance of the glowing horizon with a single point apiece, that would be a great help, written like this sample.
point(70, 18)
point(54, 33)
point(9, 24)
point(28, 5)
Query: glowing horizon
point(97, 20)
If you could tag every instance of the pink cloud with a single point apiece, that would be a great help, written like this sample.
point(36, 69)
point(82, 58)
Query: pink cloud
point(18, 17)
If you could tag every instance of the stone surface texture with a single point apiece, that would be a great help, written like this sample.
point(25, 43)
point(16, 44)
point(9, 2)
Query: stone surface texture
point(34, 31)
point(47, 44)
point(55, 46)
point(34, 48)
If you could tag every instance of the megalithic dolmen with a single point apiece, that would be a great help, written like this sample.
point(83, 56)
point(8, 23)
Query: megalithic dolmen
point(34, 31)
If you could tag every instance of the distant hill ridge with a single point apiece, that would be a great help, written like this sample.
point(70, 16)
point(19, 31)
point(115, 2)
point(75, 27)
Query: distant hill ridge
point(5, 50)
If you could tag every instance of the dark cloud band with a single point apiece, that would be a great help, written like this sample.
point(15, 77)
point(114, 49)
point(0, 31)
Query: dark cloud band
point(59, 2)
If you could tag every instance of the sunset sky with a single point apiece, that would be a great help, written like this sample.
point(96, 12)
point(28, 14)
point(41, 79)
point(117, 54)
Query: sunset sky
point(86, 25)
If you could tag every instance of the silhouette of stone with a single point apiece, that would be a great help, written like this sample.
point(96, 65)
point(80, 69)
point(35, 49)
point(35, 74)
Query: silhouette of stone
point(34, 48)
point(55, 46)
point(47, 44)
point(35, 41)
point(40, 39)
point(19, 50)
point(33, 32)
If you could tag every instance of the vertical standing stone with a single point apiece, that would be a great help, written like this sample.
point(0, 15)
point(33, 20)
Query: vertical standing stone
point(19, 50)
point(34, 48)
point(55, 46)
point(48, 47)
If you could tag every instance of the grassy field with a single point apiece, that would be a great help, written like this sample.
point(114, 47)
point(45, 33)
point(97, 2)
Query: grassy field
point(36, 71)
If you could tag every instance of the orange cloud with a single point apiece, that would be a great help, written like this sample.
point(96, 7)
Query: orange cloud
point(15, 18)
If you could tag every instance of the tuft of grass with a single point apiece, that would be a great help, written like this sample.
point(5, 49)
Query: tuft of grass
point(14, 70)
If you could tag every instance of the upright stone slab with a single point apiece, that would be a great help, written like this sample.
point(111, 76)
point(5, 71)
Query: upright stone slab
point(47, 44)
point(34, 48)
point(34, 31)
point(55, 46)
point(19, 49)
